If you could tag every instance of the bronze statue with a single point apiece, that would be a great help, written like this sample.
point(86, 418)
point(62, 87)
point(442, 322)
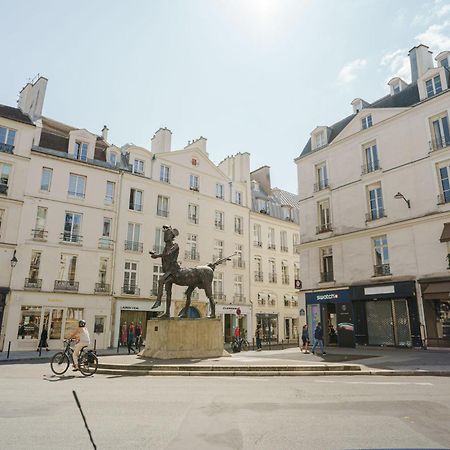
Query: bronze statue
point(198, 277)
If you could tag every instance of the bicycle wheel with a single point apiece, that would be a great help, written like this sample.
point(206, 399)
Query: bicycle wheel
point(59, 363)
point(87, 363)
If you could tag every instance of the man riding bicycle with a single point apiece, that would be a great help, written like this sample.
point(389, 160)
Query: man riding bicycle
point(81, 335)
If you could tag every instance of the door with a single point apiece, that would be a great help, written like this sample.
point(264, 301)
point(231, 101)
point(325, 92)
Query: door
point(53, 320)
point(380, 325)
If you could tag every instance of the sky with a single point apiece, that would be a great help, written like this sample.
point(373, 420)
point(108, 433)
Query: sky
point(251, 76)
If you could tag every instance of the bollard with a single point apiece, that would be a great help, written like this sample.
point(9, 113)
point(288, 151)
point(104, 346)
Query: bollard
point(40, 350)
point(282, 342)
point(9, 348)
point(95, 345)
point(118, 345)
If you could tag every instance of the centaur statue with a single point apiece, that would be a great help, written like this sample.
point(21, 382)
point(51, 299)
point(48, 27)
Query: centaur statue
point(197, 277)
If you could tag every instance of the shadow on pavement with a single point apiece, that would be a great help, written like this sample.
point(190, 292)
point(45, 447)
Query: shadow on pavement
point(53, 378)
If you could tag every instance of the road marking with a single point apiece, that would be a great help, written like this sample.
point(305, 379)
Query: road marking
point(377, 382)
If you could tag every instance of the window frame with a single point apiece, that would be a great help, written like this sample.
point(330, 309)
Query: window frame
point(46, 170)
point(75, 194)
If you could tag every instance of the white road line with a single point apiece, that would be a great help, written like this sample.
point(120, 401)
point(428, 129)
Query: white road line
point(376, 382)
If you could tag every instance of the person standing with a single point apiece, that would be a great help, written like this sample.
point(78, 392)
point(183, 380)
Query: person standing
point(318, 339)
point(123, 334)
point(43, 340)
point(258, 337)
point(305, 339)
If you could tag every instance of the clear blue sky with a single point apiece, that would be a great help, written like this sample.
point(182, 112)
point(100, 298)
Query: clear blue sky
point(249, 75)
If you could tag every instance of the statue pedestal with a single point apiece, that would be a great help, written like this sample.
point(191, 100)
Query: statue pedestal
point(184, 338)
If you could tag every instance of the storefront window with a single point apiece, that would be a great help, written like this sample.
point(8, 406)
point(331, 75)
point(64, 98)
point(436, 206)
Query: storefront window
point(99, 325)
point(30, 320)
point(74, 315)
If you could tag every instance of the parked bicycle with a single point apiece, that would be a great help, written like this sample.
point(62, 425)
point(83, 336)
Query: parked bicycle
point(87, 361)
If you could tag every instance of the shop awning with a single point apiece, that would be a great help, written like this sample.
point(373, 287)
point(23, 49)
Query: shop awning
point(445, 236)
point(437, 291)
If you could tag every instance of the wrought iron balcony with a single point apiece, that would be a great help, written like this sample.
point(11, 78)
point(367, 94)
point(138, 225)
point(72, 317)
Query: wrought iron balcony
point(134, 246)
point(438, 144)
point(109, 199)
point(130, 289)
point(238, 263)
point(375, 215)
point(39, 235)
point(3, 188)
point(238, 298)
point(271, 246)
point(285, 279)
point(259, 276)
point(381, 270)
point(72, 238)
point(261, 301)
point(257, 244)
point(321, 185)
point(105, 243)
point(370, 167)
point(219, 296)
point(102, 288)
point(7, 148)
point(77, 194)
point(271, 302)
point(219, 225)
point(239, 230)
point(326, 277)
point(194, 188)
point(294, 303)
point(284, 248)
point(287, 303)
point(443, 198)
point(162, 212)
point(272, 277)
point(324, 228)
point(33, 283)
point(66, 285)
point(192, 255)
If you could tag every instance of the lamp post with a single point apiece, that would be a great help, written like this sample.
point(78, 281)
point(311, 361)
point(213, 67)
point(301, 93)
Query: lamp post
point(13, 263)
point(399, 196)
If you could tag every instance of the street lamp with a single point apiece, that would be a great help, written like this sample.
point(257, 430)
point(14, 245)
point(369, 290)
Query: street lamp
point(399, 195)
point(14, 260)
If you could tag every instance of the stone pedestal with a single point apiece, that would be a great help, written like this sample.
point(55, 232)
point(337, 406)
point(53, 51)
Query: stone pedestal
point(184, 338)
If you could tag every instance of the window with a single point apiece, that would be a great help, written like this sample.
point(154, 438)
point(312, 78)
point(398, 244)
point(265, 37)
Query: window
point(296, 242)
point(238, 291)
point(7, 137)
point(110, 190)
point(396, 89)
point(112, 158)
point(375, 203)
point(106, 232)
point(191, 247)
point(238, 261)
point(238, 225)
point(46, 179)
point(272, 271)
point(283, 241)
point(67, 267)
point(74, 315)
point(444, 172)
point(366, 122)
point(371, 158)
point(218, 285)
point(41, 220)
point(220, 191)
point(218, 249)
point(164, 174)
point(193, 213)
point(258, 269)
point(219, 220)
point(135, 200)
point(296, 271)
point(433, 86)
point(157, 274)
point(324, 216)
point(261, 205)
point(284, 272)
point(321, 177)
point(257, 235)
point(103, 271)
point(271, 239)
point(72, 227)
point(133, 237)
point(130, 277)
point(319, 139)
point(30, 321)
point(159, 241)
point(194, 183)
point(238, 198)
point(5, 171)
point(287, 213)
point(80, 151)
point(138, 166)
point(77, 185)
point(35, 263)
point(326, 264)
point(2, 220)
point(381, 256)
point(162, 206)
point(440, 135)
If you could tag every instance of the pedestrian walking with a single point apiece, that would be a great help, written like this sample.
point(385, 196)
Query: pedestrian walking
point(258, 338)
point(131, 339)
point(138, 334)
point(305, 339)
point(123, 334)
point(43, 340)
point(318, 339)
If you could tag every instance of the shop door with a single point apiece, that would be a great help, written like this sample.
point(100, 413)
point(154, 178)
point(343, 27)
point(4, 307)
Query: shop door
point(53, 319)
point(228, 324)
point(380, 325)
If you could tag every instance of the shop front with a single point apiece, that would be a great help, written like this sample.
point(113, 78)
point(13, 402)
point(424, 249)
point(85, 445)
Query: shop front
point(436, 305)
point(233, 316)
point(333, 309)
point(269, 326)
point(386, 314)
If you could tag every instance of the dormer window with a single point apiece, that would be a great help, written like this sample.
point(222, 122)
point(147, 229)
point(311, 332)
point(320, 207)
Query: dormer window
point(396, 88)
point(433, 86)
point(138, 166)
point(112, 158)
point(287, 212)
point(81, 150)
point(261, 205)
point(320, 139)
point(366, 122)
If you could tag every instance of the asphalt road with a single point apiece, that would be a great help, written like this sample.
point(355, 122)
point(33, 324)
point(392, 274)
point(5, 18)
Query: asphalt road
point(38, 411)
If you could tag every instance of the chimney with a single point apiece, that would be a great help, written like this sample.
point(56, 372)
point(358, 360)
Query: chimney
point(31, 98)
point(421, 59)
point(105, 130)
point(262, 176)
point(162, 141)
point(199, 143)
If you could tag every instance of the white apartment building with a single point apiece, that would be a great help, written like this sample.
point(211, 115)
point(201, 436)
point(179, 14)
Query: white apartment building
point(375, 216)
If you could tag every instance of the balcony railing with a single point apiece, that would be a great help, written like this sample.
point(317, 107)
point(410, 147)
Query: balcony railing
point(284, 248)
point(7, 148)
point(285, 279)
point(443, 198)
point(72, 238)
point(134, 246)
point(324, 228)
point(271, 246)
point(259, 276)
point(39, 235)
point(3, 188)
point(261, 302)
point(294, 303)
point(109, 199)
point(192, 255)
point(130, 289)
point(287, 303)
point(194, 188)
point(375, 215)
point(33, 283)
point(102, 288)
point(370, 167)
point(238, 263)
point(257, 244)
point(136, 206)
point(216, 257)
point(438, 144)
point(219, 296)
point(238, 298)
point(219, 225)
point(193, 219)
point(326, 277)
point(77, 194)
point(162, 212)
point(271, 302)
point(105, 243)
point(272, 277)
point(321, 185)
point(381, 270)
point(66, 285)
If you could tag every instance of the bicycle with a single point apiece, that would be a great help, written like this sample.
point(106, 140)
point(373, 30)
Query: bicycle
point(87, 361)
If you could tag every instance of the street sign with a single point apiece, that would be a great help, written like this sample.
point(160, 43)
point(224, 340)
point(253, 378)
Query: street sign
point(298, 284)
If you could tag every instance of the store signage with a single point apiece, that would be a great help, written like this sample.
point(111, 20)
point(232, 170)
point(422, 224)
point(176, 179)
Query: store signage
point(327, 297)
point(337, 296)
point(134, 308)
point(379, 290)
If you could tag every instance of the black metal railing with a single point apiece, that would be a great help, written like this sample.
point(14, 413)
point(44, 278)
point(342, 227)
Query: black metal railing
point(380, 270)
point(238, 263)
point(219, 296)
point(130, 289)
point(324, 228)
point(192, 255)
point(70, 237)
point(219, 225)
point(77, 194)
point(272, 277)
point(271, 301)
point(40, 235)
point(375, 215)
point(7, 148)
point(257, 244)
point(3, 188)
point(259, 276)
point(194, 188)
point(109, 199)
point(321, 185)
point(287, 303)
point(66, 285)
point(285, 279)
point(271, 246)
point(33, 283)
point(261, 301)
point(105, 243)
point(134, 246)
point(294, 303)
point(370, 167)
point(284, 248)
point(438, 144)
point(326, 277)
point(162, 212)
point(443, 198)
point(102, 288)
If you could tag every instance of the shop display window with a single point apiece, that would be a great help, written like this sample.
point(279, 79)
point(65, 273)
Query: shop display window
point(99, 325)
point(30, 320)
point(74, 315)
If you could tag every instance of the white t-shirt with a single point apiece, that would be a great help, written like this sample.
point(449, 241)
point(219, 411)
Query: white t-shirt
point(84, 335)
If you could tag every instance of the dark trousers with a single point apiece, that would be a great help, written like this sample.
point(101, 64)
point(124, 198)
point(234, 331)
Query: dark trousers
point(258, 342)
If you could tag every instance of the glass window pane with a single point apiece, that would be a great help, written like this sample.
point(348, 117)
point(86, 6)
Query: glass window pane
point(11, 137)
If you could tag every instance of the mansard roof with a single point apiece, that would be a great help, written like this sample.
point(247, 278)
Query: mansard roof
point(8, 112)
